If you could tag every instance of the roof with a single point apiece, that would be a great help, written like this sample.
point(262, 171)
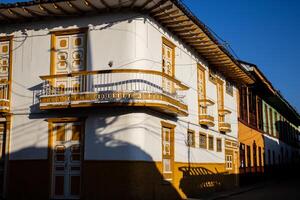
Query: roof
point(171, 14)
point(276, 99)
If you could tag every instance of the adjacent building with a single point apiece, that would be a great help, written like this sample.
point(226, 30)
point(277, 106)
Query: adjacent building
point(268, 128)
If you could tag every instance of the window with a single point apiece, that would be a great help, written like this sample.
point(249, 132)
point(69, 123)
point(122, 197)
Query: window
point(259, 113)
point(271, 121)
point(243, 104)
point(266, 119)
point(248, 157)
point(212, 76)
point(254, 156)
point(252, 107)
point(276, 124)
point(229, 88)
point(242, 156)
point(259, 157)
point(228, 162)
point(202, 140)
point(219, 144)
point(191, 138)
point(210, 142)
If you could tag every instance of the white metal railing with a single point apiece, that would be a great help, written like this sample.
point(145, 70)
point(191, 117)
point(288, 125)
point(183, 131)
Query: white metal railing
point(145, 81)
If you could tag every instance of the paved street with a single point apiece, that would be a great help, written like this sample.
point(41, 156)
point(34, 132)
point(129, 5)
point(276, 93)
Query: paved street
point(283, 190)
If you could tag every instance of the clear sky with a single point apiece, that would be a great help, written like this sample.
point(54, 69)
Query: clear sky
point(263, 32)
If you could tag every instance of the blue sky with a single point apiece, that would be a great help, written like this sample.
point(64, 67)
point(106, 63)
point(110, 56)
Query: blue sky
point(263, 32)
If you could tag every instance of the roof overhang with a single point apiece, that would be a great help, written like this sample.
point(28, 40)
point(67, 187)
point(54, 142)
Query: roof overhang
point(170, 13)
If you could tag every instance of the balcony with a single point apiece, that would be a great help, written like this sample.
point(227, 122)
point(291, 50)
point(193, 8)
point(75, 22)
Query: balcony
point(119, 87)
point(224, 120)
point(206, 112)
point(4, 99)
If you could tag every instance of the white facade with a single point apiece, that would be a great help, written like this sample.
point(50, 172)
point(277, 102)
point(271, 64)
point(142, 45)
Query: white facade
point(129, 41)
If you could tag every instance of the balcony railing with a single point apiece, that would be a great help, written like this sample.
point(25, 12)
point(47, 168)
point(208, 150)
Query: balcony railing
point(4, 99)
point(224, 120)
point(206, 112)
point(120, 87)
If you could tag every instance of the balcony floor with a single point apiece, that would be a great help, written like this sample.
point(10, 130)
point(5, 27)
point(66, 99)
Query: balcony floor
point(161, 102)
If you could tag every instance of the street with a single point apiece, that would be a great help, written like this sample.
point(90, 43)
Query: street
point(288, 189)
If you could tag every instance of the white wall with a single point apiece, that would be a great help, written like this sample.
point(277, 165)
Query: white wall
point(130, 40)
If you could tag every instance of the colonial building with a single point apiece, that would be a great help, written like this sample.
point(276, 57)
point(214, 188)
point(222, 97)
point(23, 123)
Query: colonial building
point(116, 100)
point(268, 128)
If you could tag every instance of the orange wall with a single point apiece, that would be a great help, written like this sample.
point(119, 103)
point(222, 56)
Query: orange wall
point(247, 136)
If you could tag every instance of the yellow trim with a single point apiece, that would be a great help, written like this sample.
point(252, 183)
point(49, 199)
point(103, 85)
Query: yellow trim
point(69, 31)
point(167, 42)
point(167, 125)
point(10, 54)
point(54, 34)
point(193, 134)
point(210, 148)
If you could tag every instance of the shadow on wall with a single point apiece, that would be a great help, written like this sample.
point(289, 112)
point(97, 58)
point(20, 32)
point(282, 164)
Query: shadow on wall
point(101, 179)
point(199, 182)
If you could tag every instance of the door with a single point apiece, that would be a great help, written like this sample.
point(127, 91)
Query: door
point(168, 152)
point(201, 91)
point(66, 160)
point(220, 96)
point(2, 156)
point(69, 56)
point(167, 67)
point(4, 68)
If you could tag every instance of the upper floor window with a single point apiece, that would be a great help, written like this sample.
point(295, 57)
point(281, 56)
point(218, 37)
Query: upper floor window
point(229, 88)
point(271, 121)
point(243, 97)
point(266, 119)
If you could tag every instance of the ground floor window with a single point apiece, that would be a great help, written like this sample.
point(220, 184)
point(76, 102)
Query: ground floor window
point(229, 162)
point(210, 142)
point(242, 156)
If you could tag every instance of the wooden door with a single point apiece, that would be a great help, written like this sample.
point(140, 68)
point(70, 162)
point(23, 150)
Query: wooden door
point(167, 152)
point(66, 161)
point(168, 67)
point(70, 56)
point(201, 91)
point(4, 68)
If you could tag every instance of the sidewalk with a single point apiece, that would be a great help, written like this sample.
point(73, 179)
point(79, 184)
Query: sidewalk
point(233, 192)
